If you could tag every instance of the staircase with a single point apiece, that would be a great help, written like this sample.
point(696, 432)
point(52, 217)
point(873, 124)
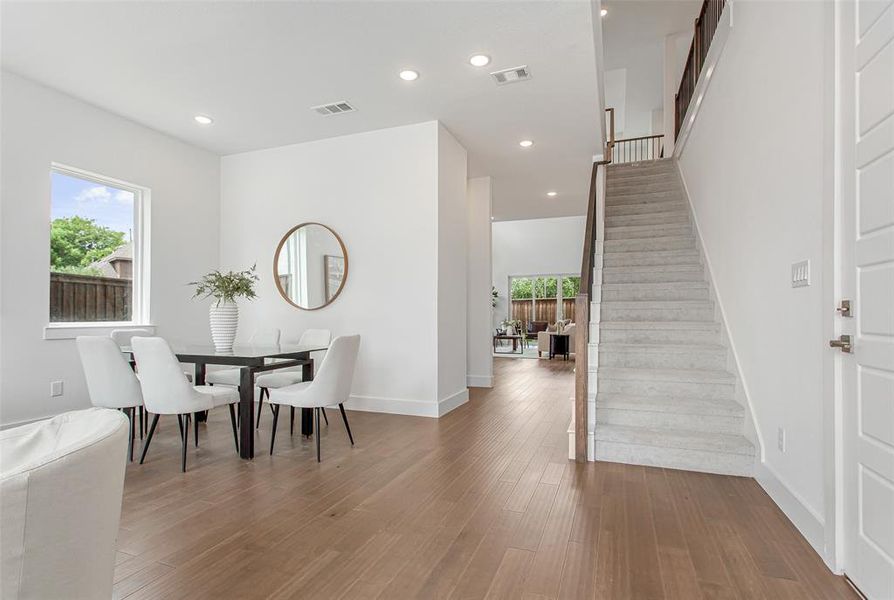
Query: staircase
point(665, 396)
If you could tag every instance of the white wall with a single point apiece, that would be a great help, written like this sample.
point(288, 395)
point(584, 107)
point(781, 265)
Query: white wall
point(754, 168)
point(534, 247)
point(379, 190)
point(41, 126)
point(479, 356)
point(452, 272)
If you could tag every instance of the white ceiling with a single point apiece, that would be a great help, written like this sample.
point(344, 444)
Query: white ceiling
point(257, 67)
point(633, 34)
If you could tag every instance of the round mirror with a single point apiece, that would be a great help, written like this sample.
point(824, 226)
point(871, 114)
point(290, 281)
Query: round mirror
point(310, 266)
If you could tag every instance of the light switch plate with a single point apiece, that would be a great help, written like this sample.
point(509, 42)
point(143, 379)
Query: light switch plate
point(56, 388)
point(801, 273)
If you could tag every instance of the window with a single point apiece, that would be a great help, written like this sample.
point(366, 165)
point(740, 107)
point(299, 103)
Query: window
point(97, 249)
point(542, 298)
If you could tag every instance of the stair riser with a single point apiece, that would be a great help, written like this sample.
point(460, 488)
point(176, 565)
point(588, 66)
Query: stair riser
point(623, 210)
point(640, 387)
point(613, 313)
point(668, 420)
point(633, 190)
point(675, 458)
point(647, 259)
point(649, 231)
point(658, 336)
point(677, 216)
point(652, 276)
point(617, 172)
point(670, 293)
point(644, 245)
point(637, 175)
point(691, 359)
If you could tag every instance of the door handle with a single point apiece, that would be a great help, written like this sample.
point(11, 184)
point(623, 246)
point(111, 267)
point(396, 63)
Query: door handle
point(843, 342)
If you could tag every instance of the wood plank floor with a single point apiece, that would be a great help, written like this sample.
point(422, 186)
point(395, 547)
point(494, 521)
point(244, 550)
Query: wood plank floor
point(479, 504)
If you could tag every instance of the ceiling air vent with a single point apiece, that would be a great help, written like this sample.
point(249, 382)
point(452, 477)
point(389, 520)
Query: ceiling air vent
point(513, 75)
point(335, 108)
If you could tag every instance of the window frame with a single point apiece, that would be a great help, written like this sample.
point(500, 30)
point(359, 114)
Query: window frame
point(141, 241)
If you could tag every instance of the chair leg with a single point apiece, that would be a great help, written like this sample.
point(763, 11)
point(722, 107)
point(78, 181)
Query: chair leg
point(323, 410)
point(180, 424)
point(185, 442)
point(148, 438)
point(196, 430)
point(233, 423)
point(344, 417)
point(142, 425)
point(317, 430)
point(260, 406)
point(291, 420)
point(275, 421)
point(130, 419)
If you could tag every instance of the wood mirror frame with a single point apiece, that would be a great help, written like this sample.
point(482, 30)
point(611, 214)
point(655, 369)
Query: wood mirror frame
point(279, 248)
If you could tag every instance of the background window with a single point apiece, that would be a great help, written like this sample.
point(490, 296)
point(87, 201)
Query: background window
point(94, 248)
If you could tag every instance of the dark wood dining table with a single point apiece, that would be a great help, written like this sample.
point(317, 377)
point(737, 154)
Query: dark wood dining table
point(250, 360)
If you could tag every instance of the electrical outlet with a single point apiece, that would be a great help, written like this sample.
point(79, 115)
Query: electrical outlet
point(780, 439)
point(55, 388)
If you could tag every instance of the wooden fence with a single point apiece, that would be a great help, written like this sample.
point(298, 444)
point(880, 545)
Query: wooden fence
point(76, 298)
point(522, 310)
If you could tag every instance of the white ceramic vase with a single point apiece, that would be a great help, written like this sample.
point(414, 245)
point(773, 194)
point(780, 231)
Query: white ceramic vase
point(224, 319)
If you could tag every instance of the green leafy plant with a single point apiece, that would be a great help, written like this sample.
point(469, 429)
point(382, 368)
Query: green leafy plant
point(79, 242)
point(494, 294)
point(226, 287)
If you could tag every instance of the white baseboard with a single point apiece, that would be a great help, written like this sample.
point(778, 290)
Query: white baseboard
point(393, 406)
point(404, 406)
point(482, 381)
point(805, 518)
point(452, 401)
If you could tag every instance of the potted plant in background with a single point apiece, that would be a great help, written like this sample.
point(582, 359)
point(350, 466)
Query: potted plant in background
point(225, 288)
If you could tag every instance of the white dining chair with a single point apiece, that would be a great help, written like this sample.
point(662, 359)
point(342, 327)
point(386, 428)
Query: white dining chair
point(167, 392)
point(319, 338)
point(331, 386)
point(122, 337)
point(261, 337)
point(111, 382)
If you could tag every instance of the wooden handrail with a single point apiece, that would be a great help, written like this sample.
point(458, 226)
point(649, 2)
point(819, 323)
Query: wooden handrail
point(582, 318)
point(705, 26)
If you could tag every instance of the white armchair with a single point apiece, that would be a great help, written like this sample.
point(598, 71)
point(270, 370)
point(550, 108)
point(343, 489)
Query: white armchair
point(543, 337)
point(61, 485)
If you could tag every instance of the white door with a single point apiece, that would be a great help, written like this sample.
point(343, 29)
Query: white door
point(866, 127)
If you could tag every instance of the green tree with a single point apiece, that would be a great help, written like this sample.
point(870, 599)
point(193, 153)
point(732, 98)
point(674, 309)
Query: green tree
point(521, 288)
point(570, 286)
point(76, 242)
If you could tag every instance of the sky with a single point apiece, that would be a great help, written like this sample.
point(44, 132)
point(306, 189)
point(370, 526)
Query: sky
point(106, 205)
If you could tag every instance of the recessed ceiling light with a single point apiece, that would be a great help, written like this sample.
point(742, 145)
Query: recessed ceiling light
point(551, 194)
point(479, 60)
point(526, 143)
point(603, 12)
point(203, 120)
point(409, 75)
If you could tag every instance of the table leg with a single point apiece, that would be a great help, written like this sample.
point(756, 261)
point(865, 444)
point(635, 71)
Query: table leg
point(307, 424)
point(246, 413)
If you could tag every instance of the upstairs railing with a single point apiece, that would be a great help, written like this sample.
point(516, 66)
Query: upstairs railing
point(638, 149)
point(705, 26)
point(627, 150)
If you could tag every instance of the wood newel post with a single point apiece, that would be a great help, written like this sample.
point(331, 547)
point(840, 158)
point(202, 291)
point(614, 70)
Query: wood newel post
point(581, 373)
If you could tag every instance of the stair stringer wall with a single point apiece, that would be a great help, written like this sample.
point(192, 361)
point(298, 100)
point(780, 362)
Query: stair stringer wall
point(751, 430)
